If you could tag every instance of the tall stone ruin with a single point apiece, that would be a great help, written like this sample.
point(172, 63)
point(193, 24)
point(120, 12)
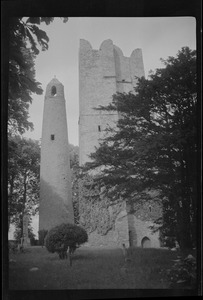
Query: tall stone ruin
point(55, 176)
point(102, 73)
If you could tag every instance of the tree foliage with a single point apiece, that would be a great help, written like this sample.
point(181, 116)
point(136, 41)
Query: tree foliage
point(154, 144)
point(183, 273)
point(18, 233)
point(91, 210)
point(25, 39)
point(23, 178)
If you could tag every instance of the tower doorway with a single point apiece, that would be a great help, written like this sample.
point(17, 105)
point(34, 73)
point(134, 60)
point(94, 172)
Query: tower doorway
point(146, 243)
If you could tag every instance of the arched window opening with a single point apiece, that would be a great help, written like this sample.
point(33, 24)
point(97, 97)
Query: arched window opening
point(146, 243)
point(53, 90)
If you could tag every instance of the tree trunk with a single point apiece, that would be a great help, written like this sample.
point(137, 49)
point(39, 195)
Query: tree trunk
point(24, 200)
point(185, 222)
point(185, 236)
point(11, 182)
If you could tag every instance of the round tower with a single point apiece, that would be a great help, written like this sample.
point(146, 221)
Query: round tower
point(55, 176)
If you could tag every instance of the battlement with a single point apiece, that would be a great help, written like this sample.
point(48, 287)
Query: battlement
point(107, 47)
point(102, 73)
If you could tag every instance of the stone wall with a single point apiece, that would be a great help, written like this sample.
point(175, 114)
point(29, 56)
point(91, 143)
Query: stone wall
point(141, 217)
point(55, 177)
point(141, 229)
point(102, 73)
point(115, 237)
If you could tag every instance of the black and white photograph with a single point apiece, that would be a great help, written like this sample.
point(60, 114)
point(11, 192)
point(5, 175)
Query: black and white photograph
point(102, 154)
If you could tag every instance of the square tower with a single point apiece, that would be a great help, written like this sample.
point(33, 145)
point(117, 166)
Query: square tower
point(102, 73)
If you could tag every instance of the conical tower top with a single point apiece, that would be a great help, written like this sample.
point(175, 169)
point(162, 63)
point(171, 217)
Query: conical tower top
point(54, 89)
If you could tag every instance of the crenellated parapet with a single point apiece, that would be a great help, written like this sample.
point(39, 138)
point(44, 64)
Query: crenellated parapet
point(110, 62)
point(105, 72)
point(102, 73)
point(136, 65)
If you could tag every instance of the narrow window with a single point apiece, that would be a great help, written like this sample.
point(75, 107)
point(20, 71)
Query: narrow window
point(53, 90)
point(99, 128)
point(52, 137)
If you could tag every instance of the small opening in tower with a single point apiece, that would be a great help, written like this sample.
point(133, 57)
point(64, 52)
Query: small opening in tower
point(99, 128)
point(53, 90)
point(52, 137)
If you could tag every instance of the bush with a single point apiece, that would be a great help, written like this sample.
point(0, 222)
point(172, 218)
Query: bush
point(63, 237)
point(13, 246)
point(183, 273)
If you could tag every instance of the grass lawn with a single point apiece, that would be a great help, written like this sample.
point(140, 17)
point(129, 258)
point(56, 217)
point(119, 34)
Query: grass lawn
point(92, 268)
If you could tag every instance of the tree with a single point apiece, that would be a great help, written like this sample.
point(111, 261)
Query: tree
point(23, 178)
point(154, 144)
point(74, 156)
point(24, 40)
point(18, 233)
point(75, 171)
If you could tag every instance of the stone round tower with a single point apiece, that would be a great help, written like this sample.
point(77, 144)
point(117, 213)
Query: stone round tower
point(55, 176)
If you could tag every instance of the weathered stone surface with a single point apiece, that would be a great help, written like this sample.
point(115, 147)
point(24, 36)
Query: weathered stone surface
point(55, 176)
point(115, 237)
point(121, 226)
point(142, 230)
point(102, 73)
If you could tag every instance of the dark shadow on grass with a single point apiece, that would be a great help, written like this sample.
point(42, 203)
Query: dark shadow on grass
point(76, 257)
point(87, 254)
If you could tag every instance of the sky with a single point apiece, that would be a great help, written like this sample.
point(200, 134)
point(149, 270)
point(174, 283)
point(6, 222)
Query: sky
point(157, 37)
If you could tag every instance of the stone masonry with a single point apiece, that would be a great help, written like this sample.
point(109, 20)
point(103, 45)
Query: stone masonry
point(55, 177)
point(102, 73)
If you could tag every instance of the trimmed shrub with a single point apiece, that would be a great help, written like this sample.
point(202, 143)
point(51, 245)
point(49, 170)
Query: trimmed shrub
point(63, 237)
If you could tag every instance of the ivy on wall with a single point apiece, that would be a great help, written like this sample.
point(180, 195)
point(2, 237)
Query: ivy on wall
point(96, 212)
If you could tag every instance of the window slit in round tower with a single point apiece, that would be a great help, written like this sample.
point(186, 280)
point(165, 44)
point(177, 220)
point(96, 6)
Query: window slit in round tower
point(53, 90)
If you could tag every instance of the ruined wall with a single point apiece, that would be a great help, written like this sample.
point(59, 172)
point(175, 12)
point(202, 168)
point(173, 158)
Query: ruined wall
point(127, 69)
point(115, 237)
point(141, 218)
point(102, 73)
point(55, 177)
